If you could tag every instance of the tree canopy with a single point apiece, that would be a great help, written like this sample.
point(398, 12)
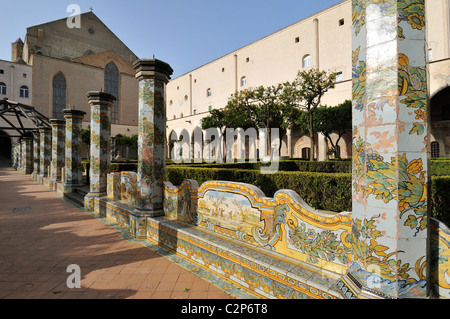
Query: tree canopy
point(278, 106)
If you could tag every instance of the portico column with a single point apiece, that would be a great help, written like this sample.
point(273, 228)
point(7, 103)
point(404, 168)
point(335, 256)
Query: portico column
point(58, 151)
point(101, 104)
point(45, 152)
point(36, 157)
point(27, 155)
point(17, 156)
point(73, 167)
point(390, 174)
point(153, 75)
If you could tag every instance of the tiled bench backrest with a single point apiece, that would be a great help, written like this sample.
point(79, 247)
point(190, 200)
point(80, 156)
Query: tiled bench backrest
point(284, 223)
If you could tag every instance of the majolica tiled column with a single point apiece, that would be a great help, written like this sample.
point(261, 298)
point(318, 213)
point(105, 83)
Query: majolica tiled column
point(390, 171)
point(17, 156)
point(73, 168)
point(58, 151)
point(27, 155)
point(36, 156)
point(45, 153)
point(101, 104)
point(153, 76)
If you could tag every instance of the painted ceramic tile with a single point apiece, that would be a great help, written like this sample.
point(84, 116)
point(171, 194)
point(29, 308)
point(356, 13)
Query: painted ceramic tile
point(285, 224)
point(390, 177)
point(58, 149)
point(151, 144)
point(36, 150)
point(73, 166)
point(440, 266)
point(45, 151)
point(100, 145)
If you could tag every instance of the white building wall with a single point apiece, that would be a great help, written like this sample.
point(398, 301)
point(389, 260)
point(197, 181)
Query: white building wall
point(15, 75)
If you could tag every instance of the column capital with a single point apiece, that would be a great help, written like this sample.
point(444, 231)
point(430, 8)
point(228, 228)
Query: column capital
point(148, 68)
point(97, 97)
point(43, 129)
point(57, 122)
point(73, 113)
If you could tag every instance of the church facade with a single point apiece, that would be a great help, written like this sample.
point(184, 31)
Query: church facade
point(68, 62)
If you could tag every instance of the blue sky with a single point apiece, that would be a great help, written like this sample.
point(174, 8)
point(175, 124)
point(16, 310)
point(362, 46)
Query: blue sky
point(184, 33)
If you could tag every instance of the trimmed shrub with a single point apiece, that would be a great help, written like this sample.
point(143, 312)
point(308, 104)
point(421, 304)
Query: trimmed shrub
point(342, 166)
point(440, 167)
point(327, 191)
point(440, 198)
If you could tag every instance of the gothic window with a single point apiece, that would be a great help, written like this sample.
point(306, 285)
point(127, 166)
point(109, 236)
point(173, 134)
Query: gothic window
point(59, 95)
point(112, 87)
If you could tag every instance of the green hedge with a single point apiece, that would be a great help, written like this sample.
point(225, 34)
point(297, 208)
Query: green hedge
point(440, 167)
point(342, 166)
point(440, 198)
point(327, 191)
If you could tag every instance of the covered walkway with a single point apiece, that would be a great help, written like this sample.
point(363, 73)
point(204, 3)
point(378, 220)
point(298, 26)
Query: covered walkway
point(41, 235)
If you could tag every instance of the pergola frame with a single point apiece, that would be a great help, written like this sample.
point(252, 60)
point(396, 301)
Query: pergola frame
point(25, 114)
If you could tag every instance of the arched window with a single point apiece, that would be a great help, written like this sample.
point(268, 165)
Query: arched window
point(208, 92)
point(306, 62)
point(59, 95)
point(24, 91)
point(112, 87)
point(244, 81)
point(434, 149)
point(2, 88)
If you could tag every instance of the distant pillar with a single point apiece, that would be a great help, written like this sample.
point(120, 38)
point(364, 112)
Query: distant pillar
point(17, 156)
point(289, 142)
point(390, 136)
point(45, 153)
point(153, 76)
point(27, 155)
point(322, 148)
point(101, 104)
point(36, 157)
point(58, 151)
point(73, 168)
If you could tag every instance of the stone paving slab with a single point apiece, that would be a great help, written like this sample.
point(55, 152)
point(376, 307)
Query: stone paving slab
point(42, 234)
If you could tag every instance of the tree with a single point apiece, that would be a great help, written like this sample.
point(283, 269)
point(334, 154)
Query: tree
point(86, 137)
point(305, 93)
point(336, 120)
point(260, 108)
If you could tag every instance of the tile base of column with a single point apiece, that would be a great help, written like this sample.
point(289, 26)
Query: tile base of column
point(138, 224)
point(64, 188)
point(89, 200)
point(53, 184)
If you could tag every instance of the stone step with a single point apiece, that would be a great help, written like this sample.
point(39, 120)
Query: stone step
point(76, 198)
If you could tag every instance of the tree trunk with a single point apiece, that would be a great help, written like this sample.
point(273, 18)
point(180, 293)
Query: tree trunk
point(311, 135)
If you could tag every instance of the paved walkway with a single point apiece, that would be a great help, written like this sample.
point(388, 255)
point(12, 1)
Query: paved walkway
point(41, 235)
